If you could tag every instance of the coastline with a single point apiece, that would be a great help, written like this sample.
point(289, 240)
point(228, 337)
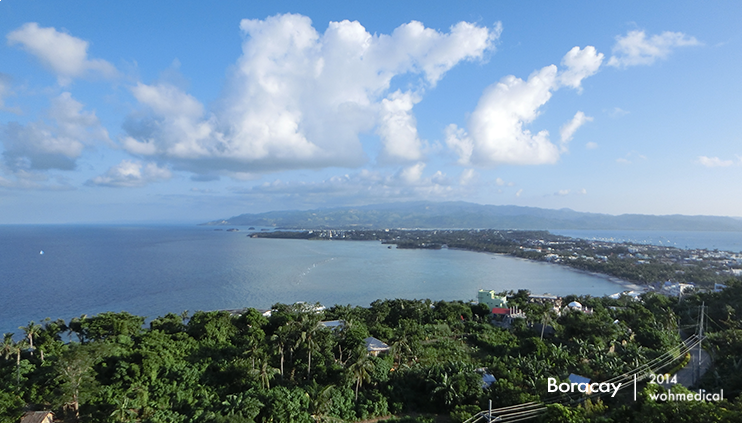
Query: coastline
point(627, 285)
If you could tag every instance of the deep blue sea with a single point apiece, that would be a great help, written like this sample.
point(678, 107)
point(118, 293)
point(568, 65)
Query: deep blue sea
point(153, 270)
point(724, 241)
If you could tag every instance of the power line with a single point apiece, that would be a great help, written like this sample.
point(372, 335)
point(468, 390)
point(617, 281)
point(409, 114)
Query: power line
point(530, 410)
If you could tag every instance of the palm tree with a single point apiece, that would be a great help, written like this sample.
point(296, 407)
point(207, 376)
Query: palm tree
point(361, 369)
point(31, 330)
point(310, 326)
point(320, 401)
point(265, 372)
point(400, 348)
point(10, 348)
point(7, 347)
point(281, 338)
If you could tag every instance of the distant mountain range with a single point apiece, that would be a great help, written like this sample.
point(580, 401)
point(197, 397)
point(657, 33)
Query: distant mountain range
point(449, 215)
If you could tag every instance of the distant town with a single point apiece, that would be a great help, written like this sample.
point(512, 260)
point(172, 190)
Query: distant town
point(659, 268)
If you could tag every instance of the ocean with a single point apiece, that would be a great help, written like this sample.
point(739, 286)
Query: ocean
point(723, 241)
point(153, 270)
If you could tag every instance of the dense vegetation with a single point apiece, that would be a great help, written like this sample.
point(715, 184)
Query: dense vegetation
point(221, 367)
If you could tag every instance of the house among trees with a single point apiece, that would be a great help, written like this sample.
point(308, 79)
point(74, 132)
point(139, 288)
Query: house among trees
point(38, 417)
point(375, 346)
point(492, 300)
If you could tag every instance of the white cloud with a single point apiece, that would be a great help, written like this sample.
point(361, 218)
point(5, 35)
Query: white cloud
point(398, 129)
point(591, 145)
point(363, 187)
point(496, 132)
point(179, 132)
point(567, 131)
point(43, 145)
point(412, 174)
point(65, 55)
point(468, 176)
point(580, 64)
point(130, 174)
point(299, 99)
point(562, 192)
point(496, 125)
point(636, 49)
point(518, 194)
point(714, 161)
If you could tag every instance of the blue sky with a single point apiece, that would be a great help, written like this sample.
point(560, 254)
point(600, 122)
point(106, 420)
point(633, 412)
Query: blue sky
point(185, 112)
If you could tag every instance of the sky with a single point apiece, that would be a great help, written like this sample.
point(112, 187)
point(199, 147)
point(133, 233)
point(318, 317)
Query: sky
point(125, 112)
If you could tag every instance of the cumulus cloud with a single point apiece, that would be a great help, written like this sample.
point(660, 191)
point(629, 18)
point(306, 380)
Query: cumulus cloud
point(398, 128)
point(63, 54)
point(362, 187)
point(496, 132)
point(300, 99)
point(131, 174)
point(591, 145)
point(714, 161)
point(580, 64)
point(567, 131)
point(55, 143)
point(635, 48)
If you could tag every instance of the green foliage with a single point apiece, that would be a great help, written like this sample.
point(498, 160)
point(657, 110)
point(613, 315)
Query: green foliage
point(11, 407)
point(220, 367)
point(462, 413)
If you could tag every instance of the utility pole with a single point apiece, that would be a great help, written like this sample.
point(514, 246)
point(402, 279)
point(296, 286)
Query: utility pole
point(700, 341)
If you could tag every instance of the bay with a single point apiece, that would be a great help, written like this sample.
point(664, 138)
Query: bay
point(153, 270)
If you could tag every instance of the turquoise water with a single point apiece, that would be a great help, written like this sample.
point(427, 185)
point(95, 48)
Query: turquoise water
point(154, 270)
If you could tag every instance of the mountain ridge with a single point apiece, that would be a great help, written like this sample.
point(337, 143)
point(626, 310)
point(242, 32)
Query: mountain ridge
point(459, 214)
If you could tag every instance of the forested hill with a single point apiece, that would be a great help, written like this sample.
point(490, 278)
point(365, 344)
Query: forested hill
point(469, 215)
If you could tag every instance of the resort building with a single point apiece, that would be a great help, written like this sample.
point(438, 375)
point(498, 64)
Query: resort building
point(492, 300)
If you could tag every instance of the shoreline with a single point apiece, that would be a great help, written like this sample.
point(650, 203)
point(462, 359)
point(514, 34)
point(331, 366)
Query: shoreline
point(627, 285)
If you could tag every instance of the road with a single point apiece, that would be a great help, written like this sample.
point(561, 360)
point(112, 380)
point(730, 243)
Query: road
point(688, 375)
